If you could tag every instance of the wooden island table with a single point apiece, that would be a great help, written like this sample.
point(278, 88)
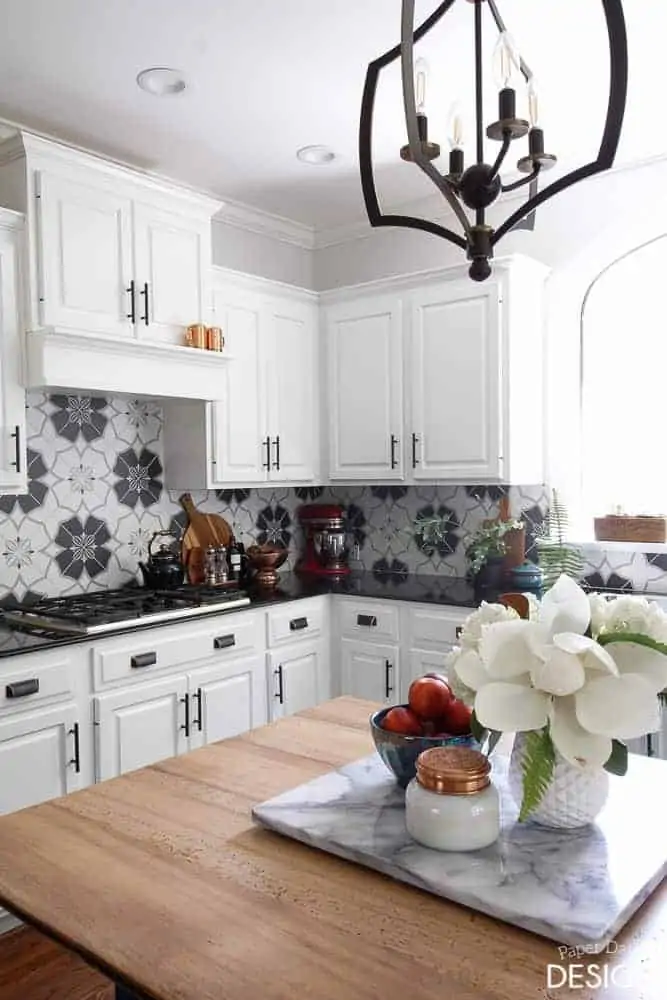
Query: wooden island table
point(161, 881)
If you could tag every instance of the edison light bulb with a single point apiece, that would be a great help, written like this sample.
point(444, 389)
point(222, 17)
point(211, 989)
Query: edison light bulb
point(455, 126)
point(506, 60)
point(533, 103)
point(421, 77)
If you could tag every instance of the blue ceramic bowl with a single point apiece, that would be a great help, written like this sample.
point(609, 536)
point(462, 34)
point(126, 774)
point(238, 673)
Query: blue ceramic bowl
point(400, 753)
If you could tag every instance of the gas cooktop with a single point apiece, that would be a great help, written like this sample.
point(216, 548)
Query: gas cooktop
point(113, 610)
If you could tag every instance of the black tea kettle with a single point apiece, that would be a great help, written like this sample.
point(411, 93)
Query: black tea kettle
point(164, 569)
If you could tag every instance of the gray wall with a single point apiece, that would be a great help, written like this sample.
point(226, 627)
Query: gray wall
point(263, 255)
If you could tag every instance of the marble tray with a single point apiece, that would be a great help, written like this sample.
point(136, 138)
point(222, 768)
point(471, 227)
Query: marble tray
point(577, 887)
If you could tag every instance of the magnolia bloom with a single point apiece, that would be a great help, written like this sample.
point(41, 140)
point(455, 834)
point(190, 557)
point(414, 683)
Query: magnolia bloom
point(546, 670)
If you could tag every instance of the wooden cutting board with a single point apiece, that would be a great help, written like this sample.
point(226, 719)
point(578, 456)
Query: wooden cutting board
point(202, 531)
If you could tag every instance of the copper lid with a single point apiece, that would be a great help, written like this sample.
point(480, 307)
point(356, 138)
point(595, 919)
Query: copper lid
point(453, 770)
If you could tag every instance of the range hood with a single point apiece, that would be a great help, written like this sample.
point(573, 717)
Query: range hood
point(91, 363)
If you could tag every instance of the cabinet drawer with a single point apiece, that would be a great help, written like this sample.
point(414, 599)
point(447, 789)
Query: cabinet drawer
point(369, 621)
point(296, 621)
point(435, 628)
point(46, 677)
point(140, 655)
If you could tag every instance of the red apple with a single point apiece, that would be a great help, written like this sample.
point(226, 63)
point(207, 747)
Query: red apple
point(429, 697)
point(457, 718)
point(440, 677)
point(402, 720)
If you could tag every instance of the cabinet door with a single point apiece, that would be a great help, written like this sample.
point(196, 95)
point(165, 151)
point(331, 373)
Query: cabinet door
point(420, 662)
point(13, 460)
point(365, 374)
point(238, 423)
point(173, 257)
point(297, 677)
point(292, 376)
point(85, 257)
point(140, 725)
point(370, 671)
point(456, 383)
point(227, 700)
point(38, 757)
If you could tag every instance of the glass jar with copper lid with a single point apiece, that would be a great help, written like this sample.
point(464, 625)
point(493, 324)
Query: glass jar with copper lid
point(451, 804)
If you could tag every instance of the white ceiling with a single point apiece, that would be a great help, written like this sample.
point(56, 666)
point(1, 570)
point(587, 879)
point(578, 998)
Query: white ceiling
point(268, 76)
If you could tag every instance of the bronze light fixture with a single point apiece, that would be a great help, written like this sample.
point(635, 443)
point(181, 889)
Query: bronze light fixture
point(479, 185)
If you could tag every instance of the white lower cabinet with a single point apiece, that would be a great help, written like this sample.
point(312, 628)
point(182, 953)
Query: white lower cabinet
point(227, 700)
point(140, 725)
point(39, 759)
point(298, 678)
point(370, 670)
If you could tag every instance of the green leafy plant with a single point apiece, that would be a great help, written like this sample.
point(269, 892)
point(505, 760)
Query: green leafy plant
point(538, 764)
point(554, 554)
point(489, 542)
point(431, 531)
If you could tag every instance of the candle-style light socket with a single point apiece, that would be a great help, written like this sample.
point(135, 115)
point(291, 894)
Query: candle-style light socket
point(456, 162)
point(536, 142)
point(422, 128)
point(506, 104)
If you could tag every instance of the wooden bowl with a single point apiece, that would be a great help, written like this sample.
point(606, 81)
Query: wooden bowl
point(265, 560)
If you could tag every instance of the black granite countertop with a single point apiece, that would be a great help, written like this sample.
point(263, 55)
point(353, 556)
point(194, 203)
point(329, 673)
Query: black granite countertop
point(453, 591)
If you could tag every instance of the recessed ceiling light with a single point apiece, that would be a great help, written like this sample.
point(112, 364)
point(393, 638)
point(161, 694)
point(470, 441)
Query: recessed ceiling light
point(161, 81)
point(317, 156)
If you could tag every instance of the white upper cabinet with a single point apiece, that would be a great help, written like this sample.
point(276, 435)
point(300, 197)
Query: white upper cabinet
point(291, 379)
point(238, 422)
point(455, 365)
point(13, 456)
point(113, 252)
point(471, 406)
point(172, 264)
point(84, 256)
point(365, 375)
point(264, 428)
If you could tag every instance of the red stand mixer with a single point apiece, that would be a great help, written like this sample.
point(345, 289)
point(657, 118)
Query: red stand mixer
point(325, 529)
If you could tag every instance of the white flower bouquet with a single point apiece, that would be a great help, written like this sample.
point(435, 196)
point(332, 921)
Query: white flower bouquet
point(579, 675)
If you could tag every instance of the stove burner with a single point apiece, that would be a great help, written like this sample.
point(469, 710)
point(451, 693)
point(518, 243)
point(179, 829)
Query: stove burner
point(111, 610)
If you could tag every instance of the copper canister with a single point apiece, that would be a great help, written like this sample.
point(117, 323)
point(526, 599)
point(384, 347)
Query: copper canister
point(214, 339)
point(195, 336)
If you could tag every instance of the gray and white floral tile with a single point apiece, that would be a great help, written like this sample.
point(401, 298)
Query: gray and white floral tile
point(97, 494)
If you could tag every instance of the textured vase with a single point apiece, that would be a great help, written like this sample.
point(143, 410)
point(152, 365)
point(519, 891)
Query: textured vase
point(574, 798)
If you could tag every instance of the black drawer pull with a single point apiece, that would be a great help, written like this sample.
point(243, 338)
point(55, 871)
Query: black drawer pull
point(143, 660)
point(224, 641)
point(459, 631)
point(388, 686)
point(19, 689)
point(370, 621)
point(297, 624)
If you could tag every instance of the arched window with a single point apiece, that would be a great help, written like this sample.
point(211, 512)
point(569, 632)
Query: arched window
point(623, 397)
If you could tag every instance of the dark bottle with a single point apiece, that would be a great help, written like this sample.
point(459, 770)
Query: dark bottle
point(235, 560)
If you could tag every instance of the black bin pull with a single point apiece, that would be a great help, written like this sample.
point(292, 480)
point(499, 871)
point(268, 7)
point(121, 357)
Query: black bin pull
point(143, 660)
point(458, 631)
point(224, 641)
point(369, 621)
point(297, 624)
point(20, 689)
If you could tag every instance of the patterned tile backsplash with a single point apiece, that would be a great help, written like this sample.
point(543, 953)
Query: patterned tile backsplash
point(96, 495)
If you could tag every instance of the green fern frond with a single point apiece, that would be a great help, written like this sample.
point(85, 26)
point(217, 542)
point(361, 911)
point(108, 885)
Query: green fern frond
point(554, 554)
point(538, 765)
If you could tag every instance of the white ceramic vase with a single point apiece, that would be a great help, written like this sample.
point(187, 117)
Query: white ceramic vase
point(574, 798)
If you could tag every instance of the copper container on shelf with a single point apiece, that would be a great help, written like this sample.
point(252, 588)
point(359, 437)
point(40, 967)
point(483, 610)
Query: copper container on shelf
point(214, 339)
point(195, 336)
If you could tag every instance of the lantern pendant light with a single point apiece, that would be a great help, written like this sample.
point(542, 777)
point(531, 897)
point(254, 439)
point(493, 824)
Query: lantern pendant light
point(477, 186)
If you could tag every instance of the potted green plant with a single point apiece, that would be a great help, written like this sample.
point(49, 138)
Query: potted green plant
point(486, 552)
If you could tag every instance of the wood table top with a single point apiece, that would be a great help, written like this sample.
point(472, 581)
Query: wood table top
point(161, 880)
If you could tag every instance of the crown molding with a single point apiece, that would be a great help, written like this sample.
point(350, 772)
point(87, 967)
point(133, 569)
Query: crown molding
point(434, 207)
point(277, 227)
